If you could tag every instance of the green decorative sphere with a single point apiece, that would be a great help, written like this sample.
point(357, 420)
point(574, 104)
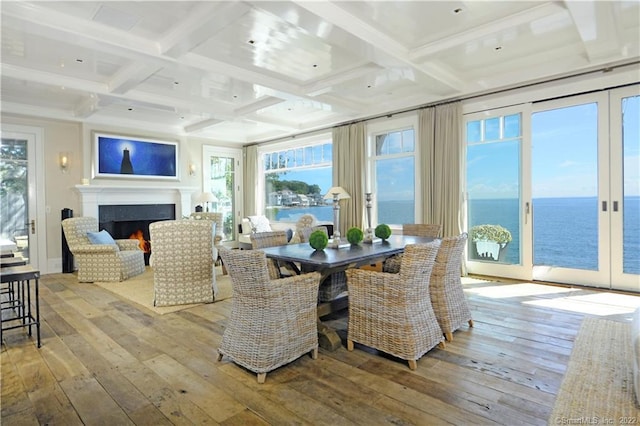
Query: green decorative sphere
point(318, 240)
point(355, 235)
point(383, 231)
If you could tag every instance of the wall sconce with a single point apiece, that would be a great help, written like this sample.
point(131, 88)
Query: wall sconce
point(63, 161)
point(192, 169)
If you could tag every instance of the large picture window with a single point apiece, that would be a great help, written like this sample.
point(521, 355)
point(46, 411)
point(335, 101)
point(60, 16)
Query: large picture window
point(296, 178)
point(393, 167)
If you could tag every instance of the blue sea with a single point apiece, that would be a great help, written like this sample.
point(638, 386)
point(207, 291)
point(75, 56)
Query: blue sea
point(565, 229)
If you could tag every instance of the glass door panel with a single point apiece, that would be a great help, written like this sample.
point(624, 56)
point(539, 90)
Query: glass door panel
point(625, 188)
point(494, 194)
point(566, 194)
point(223, 178)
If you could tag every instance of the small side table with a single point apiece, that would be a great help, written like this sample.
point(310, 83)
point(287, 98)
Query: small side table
point(18, 280)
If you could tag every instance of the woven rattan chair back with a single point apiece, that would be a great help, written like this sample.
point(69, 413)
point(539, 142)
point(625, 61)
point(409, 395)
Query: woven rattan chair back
point(393, 312)
point(422, 229)
point(271, 239)
point(447, 295)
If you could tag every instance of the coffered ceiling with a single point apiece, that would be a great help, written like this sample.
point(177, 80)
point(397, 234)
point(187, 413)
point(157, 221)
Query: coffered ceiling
point(253, 71)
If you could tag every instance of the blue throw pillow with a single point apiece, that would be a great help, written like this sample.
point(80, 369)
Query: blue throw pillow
point(102, 237)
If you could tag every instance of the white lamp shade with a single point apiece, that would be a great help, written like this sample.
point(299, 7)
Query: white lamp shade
point(207, 197)
point(342, 194)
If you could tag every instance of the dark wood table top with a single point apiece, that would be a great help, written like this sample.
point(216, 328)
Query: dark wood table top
point(343, 258)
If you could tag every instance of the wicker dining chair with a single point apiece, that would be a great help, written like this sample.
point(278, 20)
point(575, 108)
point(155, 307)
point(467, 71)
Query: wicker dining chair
point(447, 296)
point(429, 230)
point(271, 239)
point(272, 322)
point(392, 312)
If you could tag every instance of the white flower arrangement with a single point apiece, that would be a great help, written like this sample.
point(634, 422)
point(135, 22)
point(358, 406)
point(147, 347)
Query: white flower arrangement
point(490, 233)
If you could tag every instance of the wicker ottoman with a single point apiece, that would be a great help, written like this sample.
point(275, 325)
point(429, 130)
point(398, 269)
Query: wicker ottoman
point(635, 339)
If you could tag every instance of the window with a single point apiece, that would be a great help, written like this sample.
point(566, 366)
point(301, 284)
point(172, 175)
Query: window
point(296, 178)
point(493, 186)
point(393, 171)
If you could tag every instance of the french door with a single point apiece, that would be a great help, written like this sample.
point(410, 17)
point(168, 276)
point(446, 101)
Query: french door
point(586, 199)
point(563, 178)
point(21, 202)
point(222, 175)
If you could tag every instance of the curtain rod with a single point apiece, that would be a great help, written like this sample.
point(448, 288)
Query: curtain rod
point(458, 99)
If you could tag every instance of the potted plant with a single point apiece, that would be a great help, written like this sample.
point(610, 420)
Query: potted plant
point(490, 241)
point(383, 231)
point(355, 235)
point(318, 240)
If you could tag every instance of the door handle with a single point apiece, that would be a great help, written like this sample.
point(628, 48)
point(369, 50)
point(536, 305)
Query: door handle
point(604, 206)
point(526, 211)
point(33, 226)
point(615, 206)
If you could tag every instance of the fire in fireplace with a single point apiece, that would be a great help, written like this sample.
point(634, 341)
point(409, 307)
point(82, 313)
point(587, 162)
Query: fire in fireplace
point(132, 221)
point(145, 246)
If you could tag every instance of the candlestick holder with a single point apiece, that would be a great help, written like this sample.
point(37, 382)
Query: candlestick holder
point(369, 237)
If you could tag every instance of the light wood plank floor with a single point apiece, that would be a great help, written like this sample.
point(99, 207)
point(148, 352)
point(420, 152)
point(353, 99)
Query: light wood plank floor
point(108, 361)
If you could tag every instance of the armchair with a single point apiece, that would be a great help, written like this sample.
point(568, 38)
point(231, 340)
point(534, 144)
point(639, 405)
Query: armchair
point(447, 296)
point(183, 262)
point(392, 264)
point(101, 262)
point(393, 312)
point(217, 218)
point(273, 322)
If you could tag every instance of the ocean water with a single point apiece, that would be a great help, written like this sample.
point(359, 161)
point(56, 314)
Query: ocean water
point(565, 229)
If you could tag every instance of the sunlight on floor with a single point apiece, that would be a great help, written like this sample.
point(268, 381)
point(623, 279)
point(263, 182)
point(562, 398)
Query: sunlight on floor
point(555, 297)
point(502, 291)
point(595, 304)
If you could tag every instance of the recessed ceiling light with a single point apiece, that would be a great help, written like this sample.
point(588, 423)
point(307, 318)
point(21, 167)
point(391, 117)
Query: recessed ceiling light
point(251, 41)
point(79, 60)
point(130, 109)
point(176, 82)
point(315, 65)
point(368, 86)
point(497, 48)
point(458, 10)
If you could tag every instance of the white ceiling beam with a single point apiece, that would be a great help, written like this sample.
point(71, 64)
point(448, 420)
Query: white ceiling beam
point(201, 125)
point(597, 27)
point(86, 108)
point(206, 19)
point(324, 85)
point(482, 31)
point(352, 24)
point(264, 102)
point(48, 78)
point(130, 76)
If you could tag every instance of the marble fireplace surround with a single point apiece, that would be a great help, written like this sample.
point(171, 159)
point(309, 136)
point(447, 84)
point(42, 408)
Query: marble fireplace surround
point(93, 196)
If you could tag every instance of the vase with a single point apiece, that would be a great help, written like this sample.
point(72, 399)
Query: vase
point(490, 250)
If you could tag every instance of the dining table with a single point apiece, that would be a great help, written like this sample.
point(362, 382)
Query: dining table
point(332, 260)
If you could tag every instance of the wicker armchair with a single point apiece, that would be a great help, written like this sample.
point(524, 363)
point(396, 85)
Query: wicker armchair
point(273, 322)
point(447, 297)
point(183, 262)
point(392, 264)
point(101, 262)
point(271, 239)
point(215, 217)
point(392, 312)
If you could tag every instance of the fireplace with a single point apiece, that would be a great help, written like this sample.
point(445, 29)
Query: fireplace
point(132, 221)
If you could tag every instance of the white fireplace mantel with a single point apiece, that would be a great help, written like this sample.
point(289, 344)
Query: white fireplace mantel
point(92, 196)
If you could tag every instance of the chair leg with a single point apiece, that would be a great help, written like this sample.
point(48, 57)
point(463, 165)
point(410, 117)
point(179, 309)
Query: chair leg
point(314, 353)
point(441, 345)
point(262, 377)
point(449, 336)
point(349, 345)
point(219, 357)
point(413, 364)
point(470, 323)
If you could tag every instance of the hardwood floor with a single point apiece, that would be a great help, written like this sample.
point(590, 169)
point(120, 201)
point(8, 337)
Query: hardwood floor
point(104, 360)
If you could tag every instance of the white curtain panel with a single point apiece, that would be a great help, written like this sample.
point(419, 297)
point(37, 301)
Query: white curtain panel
point(250, 177)
point(349, 162)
